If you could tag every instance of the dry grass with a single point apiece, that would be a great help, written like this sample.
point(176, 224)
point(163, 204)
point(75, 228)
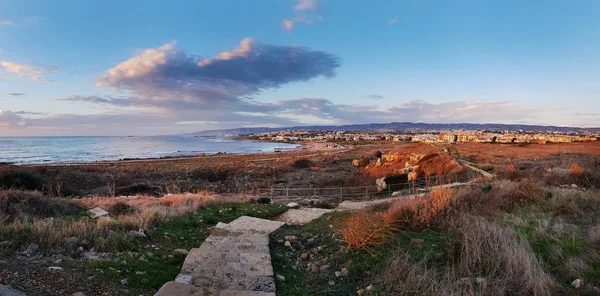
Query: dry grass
point(490, 260)
point(421, 212)
point(142, 212)
point(27, 205)
point(363, 230)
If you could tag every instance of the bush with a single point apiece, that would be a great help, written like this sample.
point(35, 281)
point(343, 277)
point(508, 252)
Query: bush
point(121, 208)
point(264, 200)
point(422, 212)
point(303, 164)
point(25, 205)
point(363, 231)
point(21, 181)
point(136, 189)
point(575, 170)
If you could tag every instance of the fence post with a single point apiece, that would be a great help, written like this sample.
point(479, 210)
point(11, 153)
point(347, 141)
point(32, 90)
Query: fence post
point(287, 192)
point(366, 192)
point(315, 192)
point(341, 193)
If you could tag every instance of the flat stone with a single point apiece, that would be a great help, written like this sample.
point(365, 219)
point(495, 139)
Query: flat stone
point(251, 224)
point(302, 216)
point(97, 213)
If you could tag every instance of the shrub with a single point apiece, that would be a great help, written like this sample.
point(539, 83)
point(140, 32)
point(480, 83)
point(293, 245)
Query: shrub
point(363, 231)
point(121, 208)
point(136, 189)
point(303, 164)
point(421, 212)
point(25, 205)
point(20, 180)
point(575, 170)
point(264, 200)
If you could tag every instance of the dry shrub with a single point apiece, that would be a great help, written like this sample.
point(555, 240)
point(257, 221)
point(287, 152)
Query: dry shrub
point(26, 204)
point(303, 164)
point(421, 212)
point(510, 168)
point(502, 256)
point(363, 231)
point(121, 208)
point(503, 262)
point(575, 170)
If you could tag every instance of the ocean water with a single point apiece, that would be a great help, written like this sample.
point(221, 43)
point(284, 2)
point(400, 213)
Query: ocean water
point(27, 150)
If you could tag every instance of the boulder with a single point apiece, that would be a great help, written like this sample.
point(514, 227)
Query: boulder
point(137, 233)
point(577, 283)
point(396, 182)
point(97, 213)
point(379, 163)
point(292, 205)
point(8, 291)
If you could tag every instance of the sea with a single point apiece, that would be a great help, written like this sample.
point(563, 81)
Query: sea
point(38, 150)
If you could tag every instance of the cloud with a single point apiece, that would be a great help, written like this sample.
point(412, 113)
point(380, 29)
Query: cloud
point(4, 22)
point(393, 20)
point(11, 120)
point(169, 78)
point(16, 94)
point(372, 97)
point(304, 5)
point(289, 24)
point(22, 70)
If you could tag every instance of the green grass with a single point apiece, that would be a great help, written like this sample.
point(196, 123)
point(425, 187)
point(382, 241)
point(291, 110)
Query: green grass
point(363, 267)
point(182, 232)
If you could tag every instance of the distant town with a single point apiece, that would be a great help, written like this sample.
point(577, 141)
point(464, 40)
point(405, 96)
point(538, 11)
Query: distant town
point(429, 136)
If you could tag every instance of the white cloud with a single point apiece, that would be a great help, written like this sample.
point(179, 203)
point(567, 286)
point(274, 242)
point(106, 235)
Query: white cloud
point(7, 22)
point(23, 70)
point(307, 5)
point(393, 20)
point(288, 25)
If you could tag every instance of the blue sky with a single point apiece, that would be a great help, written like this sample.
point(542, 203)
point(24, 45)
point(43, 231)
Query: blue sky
point(161, 67)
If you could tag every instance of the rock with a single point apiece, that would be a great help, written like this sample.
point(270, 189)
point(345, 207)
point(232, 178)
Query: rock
point(344, 271)
point(290, 238)
point(416, 243)
point(124, 282)
point(97, 213)
point(338, 274)
point(370, 288)
point(577, 283)
point(92, 256)
point(137, 233)
point(361, 162)
point(78, 294)
point(184, 279)
point(381, 184)
point(292, 205)
point(287, 244)
point(8, 291)
point(324, 267)
point(304, 256)
point(32, 249)
point(180, 252)
point(574, 186)
point(378, 164)
point(140, 273)
point(331, 283)
point(360, 292)
point(280, 277)
point(55, 269)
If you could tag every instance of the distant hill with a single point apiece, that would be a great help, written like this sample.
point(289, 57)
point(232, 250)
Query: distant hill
point(401, 126)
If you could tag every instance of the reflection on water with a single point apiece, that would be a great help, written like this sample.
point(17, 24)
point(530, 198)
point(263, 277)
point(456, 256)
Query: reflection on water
point(83, 149)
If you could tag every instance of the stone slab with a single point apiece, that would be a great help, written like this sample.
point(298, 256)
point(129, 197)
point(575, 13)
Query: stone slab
point(302, 216)
point(251, 224)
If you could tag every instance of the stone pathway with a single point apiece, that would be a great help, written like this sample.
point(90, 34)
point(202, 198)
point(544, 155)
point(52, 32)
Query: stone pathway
point(233, 261)
point(302, 216)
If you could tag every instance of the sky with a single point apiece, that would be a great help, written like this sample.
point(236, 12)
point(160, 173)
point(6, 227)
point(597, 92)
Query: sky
point(128, 67)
